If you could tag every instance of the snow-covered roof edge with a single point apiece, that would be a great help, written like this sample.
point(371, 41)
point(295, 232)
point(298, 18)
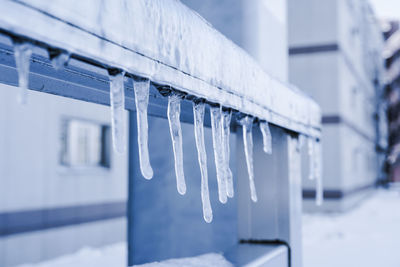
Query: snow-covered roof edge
point(168, 43)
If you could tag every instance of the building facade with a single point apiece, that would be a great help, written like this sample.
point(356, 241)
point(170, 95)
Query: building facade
point(62, 186)
point(335, 56)
point(392, 92)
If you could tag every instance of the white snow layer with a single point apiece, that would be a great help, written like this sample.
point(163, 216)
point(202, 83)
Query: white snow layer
point(367, 236)
point(168, 43)
point(210, 259)
point(109, 256)
point(116, 255)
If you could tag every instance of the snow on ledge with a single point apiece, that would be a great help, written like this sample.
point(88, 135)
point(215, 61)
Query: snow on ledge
point(210, 259)
point(168, 43)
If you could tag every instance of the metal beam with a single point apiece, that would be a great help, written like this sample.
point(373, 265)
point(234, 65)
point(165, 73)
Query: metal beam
point(80, 81)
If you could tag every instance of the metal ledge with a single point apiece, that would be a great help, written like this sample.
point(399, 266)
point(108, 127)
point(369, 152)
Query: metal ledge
point(80, 81)
point(252, 255)
point(86, 39)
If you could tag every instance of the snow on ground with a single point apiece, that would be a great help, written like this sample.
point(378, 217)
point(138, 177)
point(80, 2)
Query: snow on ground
point(367, 236)
point(109, 256)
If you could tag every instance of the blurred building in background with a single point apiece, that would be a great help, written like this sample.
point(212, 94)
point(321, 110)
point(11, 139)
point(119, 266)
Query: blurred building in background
point(392, 80)
point(62, 187)
point(335, 52)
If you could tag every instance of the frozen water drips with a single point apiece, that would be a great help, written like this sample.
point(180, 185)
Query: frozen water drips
point(226, 130)
point(118, 121)
point(267, 137)
point(198, 113)
point(141, 89)
point(247, 125)
point(216, 129)
point(22, 54)
point(60, 61)
point(319, 190)
point(174, 111)
point(310, 143)
point(300, 142)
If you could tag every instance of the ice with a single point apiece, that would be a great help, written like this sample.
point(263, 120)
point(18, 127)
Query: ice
point(141, 88)
point(216, 129)
point(198, 113)
point(267, 138)
point(226, 130)
point(174, 111)
point(60, 61)
point(247, 124)
point(118, 121)
point(319, 190)
point(310, 143)
point(300, 141)
point(22, 53)
point(315, 168)
point(196, 63)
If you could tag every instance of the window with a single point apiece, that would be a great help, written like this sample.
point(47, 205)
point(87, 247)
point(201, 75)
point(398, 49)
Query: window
point(85, 144)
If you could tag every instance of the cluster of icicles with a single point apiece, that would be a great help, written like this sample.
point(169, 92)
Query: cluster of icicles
point(220, 126)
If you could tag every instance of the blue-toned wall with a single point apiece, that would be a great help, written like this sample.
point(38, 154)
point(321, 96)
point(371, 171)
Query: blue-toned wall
point(46, 209)
point(166, 224)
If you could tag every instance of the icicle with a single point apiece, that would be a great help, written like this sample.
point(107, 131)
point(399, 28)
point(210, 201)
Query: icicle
point(267, 138)
point(319, 191)
point(226, 130)
point(198, 113)
point(247, 124)
point(218, 152)
point(311, 174)
point(22, 53)
point(174, 111)
point(300, 142)
point(141, 89)
point(117, 102)
point(60, 60)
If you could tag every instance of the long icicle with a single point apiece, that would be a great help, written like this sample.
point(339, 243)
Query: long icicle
point(118, 121)
point(218, 152)
point(267, 137)
point(311, 169)
point(319, 190)
point(22, 54)
point(226, 130)
point(247, 125)
point(174, 111)
point(141, 88)
point(198, 113)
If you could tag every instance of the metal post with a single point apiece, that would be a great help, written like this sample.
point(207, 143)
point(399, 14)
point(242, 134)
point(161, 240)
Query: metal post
point(276, 217)
point(133, 165)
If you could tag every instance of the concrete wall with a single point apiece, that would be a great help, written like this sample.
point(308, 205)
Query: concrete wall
point(35, 186)
point(312, 22)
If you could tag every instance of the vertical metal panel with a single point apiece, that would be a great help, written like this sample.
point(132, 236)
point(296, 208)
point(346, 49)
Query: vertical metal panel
point(277, 214)
point(163, 224)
